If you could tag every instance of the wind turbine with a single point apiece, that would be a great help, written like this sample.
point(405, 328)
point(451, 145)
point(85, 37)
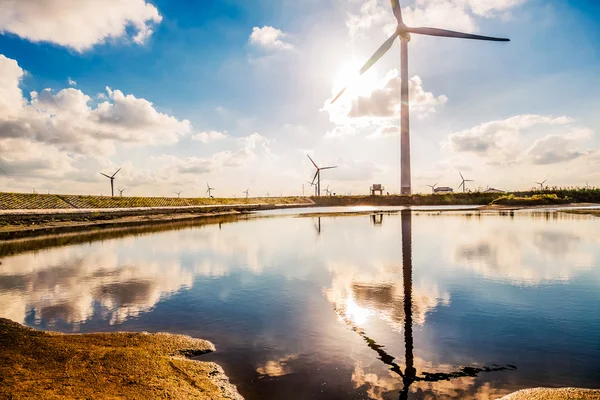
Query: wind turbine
point(542, 184)
point(246, 191)
point(209, 189)
point(432, 187)
point(179, 193)
point(404, 32)
point(112, 182)
point(464, 181)
point(328, 191)
point(318, 175)
point(268, 195)
point(313, 184)
point(121, 192)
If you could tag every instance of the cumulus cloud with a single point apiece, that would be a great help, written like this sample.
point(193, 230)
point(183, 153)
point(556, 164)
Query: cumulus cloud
point(209, 136)
point(450, 14)
point(78, 25)
point(375, 108)
point(501, 140)
point(269, 38)
point(71, 121)
point(554, 149)
point(384, 102)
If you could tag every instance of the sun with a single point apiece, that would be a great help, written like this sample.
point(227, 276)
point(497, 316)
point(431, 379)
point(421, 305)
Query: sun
point(356, 85)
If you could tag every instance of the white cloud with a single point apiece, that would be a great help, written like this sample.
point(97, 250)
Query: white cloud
point(269, 38)
point(78, 24)
point(69, 121)
point(500, 141)
point(449, 14)
point(71, 82)
point(553, 149)
point(209, 136)
point(383, 102)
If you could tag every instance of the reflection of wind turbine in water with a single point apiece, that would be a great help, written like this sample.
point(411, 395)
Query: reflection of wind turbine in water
point(318, 225)
point(409, 375)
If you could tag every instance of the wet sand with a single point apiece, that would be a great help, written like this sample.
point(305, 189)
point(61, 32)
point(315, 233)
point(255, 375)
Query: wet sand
point(554, 394)
point(36, 364)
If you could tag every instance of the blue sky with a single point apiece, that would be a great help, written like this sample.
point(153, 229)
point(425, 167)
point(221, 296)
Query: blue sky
point(234, 93)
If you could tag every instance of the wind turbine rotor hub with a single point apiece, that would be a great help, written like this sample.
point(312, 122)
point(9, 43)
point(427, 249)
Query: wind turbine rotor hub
point(402, 31)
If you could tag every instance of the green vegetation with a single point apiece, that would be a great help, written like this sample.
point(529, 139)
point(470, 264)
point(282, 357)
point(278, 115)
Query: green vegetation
point(28, 201)
point(529, 198)
point(14, 201)
point(536, 199)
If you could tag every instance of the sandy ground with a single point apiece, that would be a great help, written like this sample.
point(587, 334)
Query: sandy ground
point(554, 394)
point(43, 365)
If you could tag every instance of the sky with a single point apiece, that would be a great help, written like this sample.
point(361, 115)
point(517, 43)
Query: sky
point(236, 93)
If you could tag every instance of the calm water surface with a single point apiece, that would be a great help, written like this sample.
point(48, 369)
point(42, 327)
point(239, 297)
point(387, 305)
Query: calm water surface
point(415, 305)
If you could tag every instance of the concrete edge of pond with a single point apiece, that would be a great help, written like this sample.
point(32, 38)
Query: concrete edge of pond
point(38, 364)
point(554, 394)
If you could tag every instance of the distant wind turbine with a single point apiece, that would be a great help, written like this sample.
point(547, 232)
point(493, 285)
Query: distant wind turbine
point(318, 175)
point(268, 195)
point(112, 181)
point(404, 32)
point(542, 184)
point(432, 187)
point(464, 182)
point(327, 191)
point(121, 192)
point(209, 189)
point(179, 193)
point(246, 191)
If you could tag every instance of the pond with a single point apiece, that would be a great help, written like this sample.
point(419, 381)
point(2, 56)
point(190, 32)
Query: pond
point(397, 304)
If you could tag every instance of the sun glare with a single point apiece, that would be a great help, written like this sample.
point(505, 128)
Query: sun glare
point(356, 85)
point(356, 313)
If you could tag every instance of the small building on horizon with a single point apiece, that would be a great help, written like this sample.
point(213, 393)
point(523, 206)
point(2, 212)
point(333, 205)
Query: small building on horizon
point(493, 190)
point(443, 189)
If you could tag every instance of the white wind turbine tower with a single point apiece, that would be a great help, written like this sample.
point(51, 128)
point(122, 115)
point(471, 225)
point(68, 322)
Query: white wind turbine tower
point(403, 32)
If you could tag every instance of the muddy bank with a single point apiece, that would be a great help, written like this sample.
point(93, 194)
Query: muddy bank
point(554, 394)
point(36, 364)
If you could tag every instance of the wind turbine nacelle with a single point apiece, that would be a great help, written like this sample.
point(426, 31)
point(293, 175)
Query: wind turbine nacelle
point(402, 31)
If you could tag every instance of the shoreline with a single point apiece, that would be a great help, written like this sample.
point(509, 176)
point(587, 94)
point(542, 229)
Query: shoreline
point(41, 364)
point(18, 224)
point(22, 224)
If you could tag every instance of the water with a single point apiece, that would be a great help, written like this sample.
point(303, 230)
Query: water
point(419, 306)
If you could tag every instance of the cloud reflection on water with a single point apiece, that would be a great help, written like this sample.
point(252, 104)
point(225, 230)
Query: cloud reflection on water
point(523, 253)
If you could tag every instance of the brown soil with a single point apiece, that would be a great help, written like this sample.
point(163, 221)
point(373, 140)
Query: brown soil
point(554, 394)
point(43, 365)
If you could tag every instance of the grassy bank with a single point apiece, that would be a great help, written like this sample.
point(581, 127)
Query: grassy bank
point(42, 365)
point(30, 201)
point(529, 198)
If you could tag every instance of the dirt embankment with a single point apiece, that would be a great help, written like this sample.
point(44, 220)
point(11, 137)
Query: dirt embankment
point(43, 365)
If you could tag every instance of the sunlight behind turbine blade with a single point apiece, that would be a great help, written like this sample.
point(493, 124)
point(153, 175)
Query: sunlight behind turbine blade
point(385, 47)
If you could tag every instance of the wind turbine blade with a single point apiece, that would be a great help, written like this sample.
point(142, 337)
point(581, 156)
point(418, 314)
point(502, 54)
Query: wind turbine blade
point(454, 34)
point(7, 174)
point(312, 161)
point(105, 175)
point(461, 177)
point(397, 10)
point(328, 168)
point(116, 172)
point(385, 47)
